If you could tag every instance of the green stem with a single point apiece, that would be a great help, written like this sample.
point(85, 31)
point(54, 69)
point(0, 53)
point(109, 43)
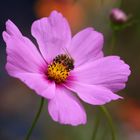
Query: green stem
point(113, 41)
point(104, 134)
point(109, 119)
point(35, 119)
point(119, 3)
point(96, 126)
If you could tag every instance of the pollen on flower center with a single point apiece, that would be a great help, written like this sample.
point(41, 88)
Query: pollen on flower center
point(59, 69)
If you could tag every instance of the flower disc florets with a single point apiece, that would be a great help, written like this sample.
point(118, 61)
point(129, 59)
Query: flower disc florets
point(59, 69)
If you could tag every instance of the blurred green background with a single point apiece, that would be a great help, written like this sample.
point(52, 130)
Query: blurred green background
point(18, 103)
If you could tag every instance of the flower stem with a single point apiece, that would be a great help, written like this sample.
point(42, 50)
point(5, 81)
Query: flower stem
point(113, 41)
point(119, 3)
point(104, 134)
point(35, 119)
point(96, 126)
point(109, 119)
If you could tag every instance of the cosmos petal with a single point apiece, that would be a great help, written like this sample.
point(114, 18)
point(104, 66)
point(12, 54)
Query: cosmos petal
point(52, 34)
point(25, 62)
point(86, 46)
point(92, 94)
point(21, 52)
point(38, 83)
point(65, 108)
point(12, 29)
point(109, 72)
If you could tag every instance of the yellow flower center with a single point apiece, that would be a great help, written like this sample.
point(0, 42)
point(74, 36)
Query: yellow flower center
point(60, 68)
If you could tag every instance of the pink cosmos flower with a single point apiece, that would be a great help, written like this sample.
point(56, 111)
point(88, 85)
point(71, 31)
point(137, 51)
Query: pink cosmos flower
point(64, 68)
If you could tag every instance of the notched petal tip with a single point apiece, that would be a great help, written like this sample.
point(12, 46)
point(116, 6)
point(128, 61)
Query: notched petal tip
point(128, 72)
point(68, 122)
point(95, 94)
point(5, 36)
point(11, 28)
point(56, 13)
point(129, 68)
point(9, 22)
point(126, 67)
point(79, 121)
point(66, 109)
point(75, 124)
point(122, 63)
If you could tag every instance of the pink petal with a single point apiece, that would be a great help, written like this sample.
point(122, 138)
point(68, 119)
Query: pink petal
point(21, 52)
point(25, 62)
point(92, 94)
point(11, 29)
point(109, 72)
point(52, 34)
point(65, 108)
point(38, 83)
point(86, 45)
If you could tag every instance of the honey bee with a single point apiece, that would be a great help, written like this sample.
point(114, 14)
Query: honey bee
point(65, 59)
